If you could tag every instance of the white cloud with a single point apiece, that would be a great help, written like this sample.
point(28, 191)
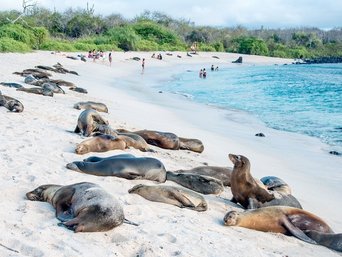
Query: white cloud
point(250, 13)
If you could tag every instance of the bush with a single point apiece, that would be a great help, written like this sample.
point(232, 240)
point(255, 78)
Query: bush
point(125, 37)
point(146, 45)
point(18, 33)
point(218, 46)
point(54, 45)
point(206, 48)
point(41, 35)
point(11, 45)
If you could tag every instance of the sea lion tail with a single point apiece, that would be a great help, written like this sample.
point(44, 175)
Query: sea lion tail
point(130, 222)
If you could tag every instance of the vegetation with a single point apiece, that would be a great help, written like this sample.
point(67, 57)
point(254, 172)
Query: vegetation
point(82, 30)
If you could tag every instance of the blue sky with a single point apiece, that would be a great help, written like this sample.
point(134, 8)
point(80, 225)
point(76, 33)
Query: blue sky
point(324, 14)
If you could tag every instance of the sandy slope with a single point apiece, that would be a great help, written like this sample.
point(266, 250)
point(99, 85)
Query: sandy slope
point(36, 145)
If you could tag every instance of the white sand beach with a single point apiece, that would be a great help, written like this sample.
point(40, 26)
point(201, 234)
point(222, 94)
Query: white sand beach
point(36, 146)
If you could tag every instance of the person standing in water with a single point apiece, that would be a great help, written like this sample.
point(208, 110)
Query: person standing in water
point(143, 63)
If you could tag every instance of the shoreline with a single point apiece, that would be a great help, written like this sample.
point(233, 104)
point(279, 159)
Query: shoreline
point(36, 150)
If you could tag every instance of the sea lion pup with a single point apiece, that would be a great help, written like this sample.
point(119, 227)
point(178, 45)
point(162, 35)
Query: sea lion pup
point(279, 219)
point(88, 121)
point(194, 145)
point(220, 173)
point(100, 107)
point(201, 184)
point(123, 166)
point(164, 140)
point(180, 197)
point(100, 143)
point(79, 90)
point(81, 207)
point(332, 241)
point(11, 84)
point(37, 91)
point(243, 185)
point(10, 103)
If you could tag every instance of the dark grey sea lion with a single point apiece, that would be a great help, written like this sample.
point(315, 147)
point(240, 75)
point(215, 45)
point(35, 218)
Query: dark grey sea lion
point(123, 166)
point(37, 91)
point(36, 73)
point(81, 207)
point(194, 145)
point(199, 183)
point(276, 184)
point(79, 90)
point(88, 121)
point(10, 103)
point(180, 197)
point(220, 173)
point(30, 79)
point(100, 107)
point(164, 140)
point(330, 240)
point(285, 220)
point(11, 84)
point(53, 87)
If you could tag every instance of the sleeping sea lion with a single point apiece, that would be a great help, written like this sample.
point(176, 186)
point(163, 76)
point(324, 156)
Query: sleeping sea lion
point(285, 220)
point(100, 107)
point(276, 184)
point(10, 103)
point(220, 173)
point(243, 185)
point(199, 183)
point(79, 90)
point(180, 197)
point(81, 207)
point(11, 84)
point(37, 91)
point(100, 143)
point(88, 121)
point(122, 166)
point(194, 145)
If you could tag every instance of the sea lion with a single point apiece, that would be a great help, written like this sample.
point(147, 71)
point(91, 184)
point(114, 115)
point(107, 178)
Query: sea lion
point(135, 141)
point(79, 90)
point(123, 166)
point(279, 219)
point(100, 143)
point(332, 241)
point(10, 103)
point(199, 183)
point(243, 185)
point(37, 91)
point(88, 121)
point(100, 107)
point(53, 87)
point(220, 173)
point(194, 145)
point(276, 184)
point(106, 129)
point(11, 84)
point(164, 140)
point(180, 197)
point(36, 73)
point(81, 207)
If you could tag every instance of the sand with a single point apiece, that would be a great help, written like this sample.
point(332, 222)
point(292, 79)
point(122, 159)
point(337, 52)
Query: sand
point(36, 145)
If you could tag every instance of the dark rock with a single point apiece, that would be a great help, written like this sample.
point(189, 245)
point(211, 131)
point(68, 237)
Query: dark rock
point(260, 135)
point(216, 57)
point(238, 60)
point(335, 153)
point(160, 92)
point(136, 58)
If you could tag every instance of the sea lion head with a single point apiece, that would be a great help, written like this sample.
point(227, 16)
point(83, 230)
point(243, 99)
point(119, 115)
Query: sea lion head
point(135, 189)
point(231, 218)
point(239, 160)
point(43, 193)
point(82, 149)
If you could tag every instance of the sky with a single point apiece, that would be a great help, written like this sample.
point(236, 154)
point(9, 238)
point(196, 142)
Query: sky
point(324, 14)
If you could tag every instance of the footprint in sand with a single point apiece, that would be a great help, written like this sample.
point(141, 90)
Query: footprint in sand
point(169, 237)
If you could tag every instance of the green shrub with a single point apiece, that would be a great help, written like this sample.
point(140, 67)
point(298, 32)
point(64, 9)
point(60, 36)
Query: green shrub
point(125, 37)
point(146, 45)
point(206, 48)
point(55, 45)
point(218, 46)
point(11, 45)
point(299, 52)
point(279, 53)
point(18, 33)
point(41, 35)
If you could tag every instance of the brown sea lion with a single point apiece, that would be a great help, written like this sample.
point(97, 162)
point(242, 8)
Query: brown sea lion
point(79, 90)
point(123, 166)
point(220, 173)
point(243, 185)
point(180, 197)
point(199, 183)
point(100, 107)
point(37, 91)
point(100, 143)
point(194, 145)
point(279, 219)
point(38, 74)
point(164, 140)
point(81, 207)
point(135, 141)
point(88, 122)
point(106, 129)
point(10, 103)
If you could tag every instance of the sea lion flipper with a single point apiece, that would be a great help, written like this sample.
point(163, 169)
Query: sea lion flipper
point(77, 129)
point(183, 200)
point(297, 232)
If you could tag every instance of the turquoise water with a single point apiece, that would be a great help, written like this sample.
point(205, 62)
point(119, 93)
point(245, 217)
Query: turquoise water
point(306, 99)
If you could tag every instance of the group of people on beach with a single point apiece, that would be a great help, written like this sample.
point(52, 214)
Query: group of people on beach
point(158, 56)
